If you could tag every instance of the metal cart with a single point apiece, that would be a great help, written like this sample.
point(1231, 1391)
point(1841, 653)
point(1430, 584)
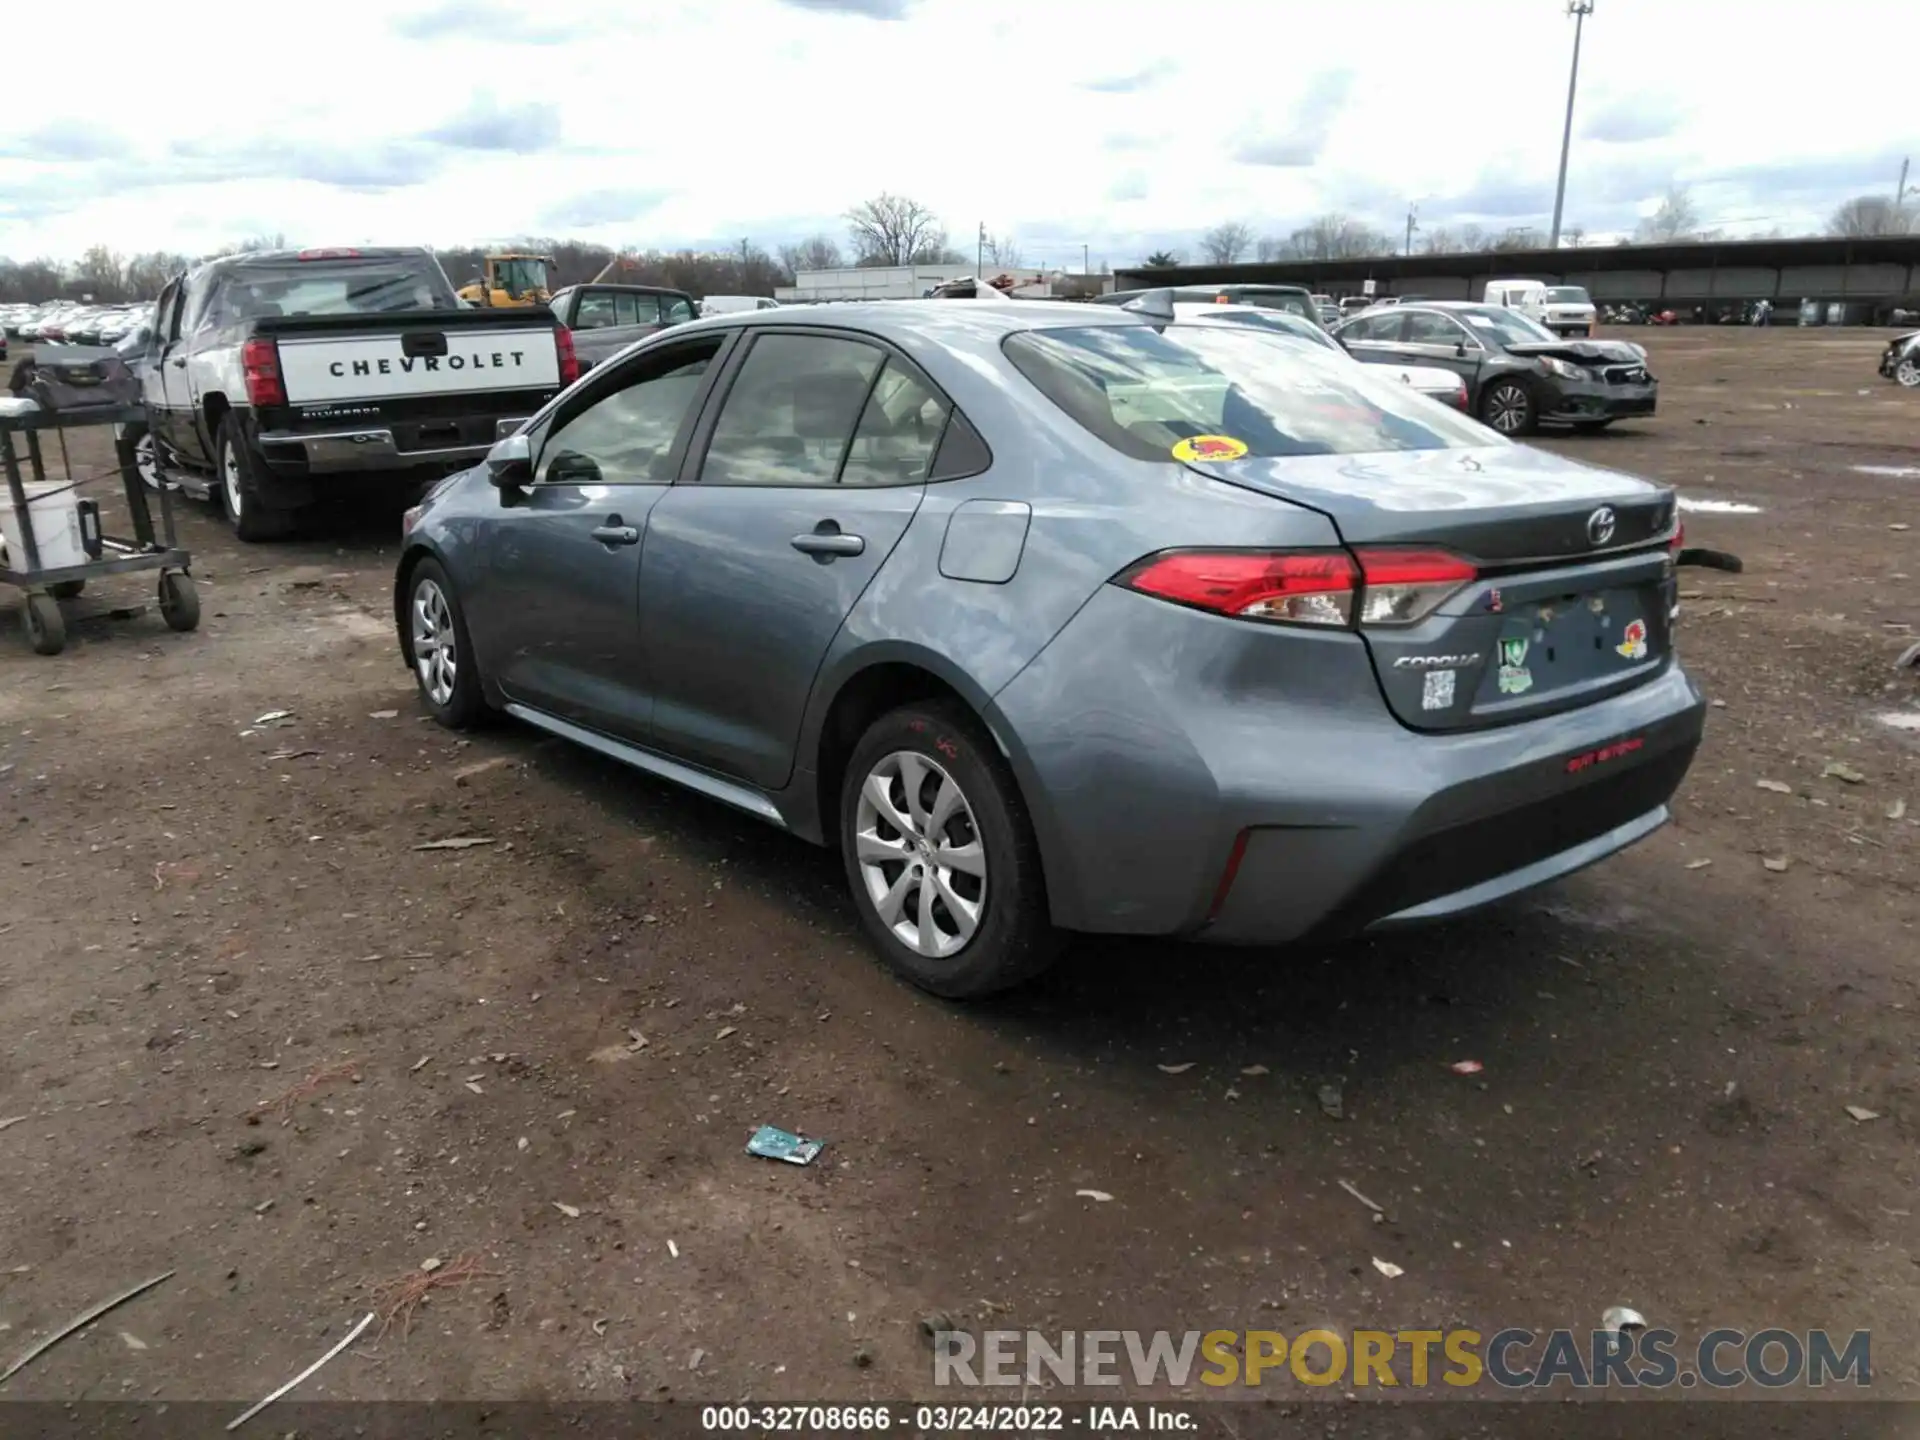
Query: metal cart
point(24, 441)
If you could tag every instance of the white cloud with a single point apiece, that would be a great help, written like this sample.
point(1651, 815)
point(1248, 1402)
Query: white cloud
point(421, 121)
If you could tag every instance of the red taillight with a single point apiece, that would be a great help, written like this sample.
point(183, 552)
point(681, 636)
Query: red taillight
point(1460, 401)
point(1306, 587)
point(1679, 536)
point(335, 254)
point(569, 359)
point(261, 361)
point(1402, 586)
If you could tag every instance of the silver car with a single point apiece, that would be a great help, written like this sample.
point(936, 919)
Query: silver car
point(1058, 618)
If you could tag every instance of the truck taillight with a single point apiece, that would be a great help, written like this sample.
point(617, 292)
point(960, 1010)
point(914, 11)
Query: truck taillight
point(261, 361)
point(569, 358)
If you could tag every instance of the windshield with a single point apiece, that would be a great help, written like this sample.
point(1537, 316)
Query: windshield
point(1274, 322)
point(1509, 327)
point(1567, 295)
point(332, 287)
point(1144, 390)
point(520, 277)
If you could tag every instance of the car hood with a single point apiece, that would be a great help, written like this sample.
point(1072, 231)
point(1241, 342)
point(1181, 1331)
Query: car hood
point(1495, 503)
point(1900, 341)
point(1583, 352)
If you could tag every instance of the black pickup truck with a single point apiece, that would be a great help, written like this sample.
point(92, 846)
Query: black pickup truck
point(280, 380)
point(605, 319)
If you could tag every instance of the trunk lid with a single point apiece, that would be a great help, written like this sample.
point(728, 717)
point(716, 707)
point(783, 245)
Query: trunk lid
point(328, 360)
point(1575, 588)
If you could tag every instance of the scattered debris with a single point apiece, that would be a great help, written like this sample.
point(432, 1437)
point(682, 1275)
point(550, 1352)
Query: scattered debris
point(600, 1326)
point(458, 842)
point(1862, 1114)
point(771, 1143)
point(480, 767)
point(431, 1264)
point(1698, 864)
point(693, 1360)
point(283, 1103)
point(1347, 1185)
point(1778, 787)
point(1256, 1070)
point(13, 1120)
point(614, 1054)
point(383, 715)
point(727, 1030)
point(1179, 1069)
point(306, 1374)
point(636, 1042)
point(1387, 1268)
point(419, 1065)
point(294, 754)
point(1840, 770)
point(1332, 1102)
point(1894, 812)
point(132, 1341)
point(862, 1357)
point(1466, 1067)
point(474, 1087)
point(273, 717)
point(263, 1207)
point(522, 1143)
point(936, 1324)
point(1909, 657)
point(673, 1250)
point(80, 1322)
point(1776, 864)
point(1619, 1319)
point(398, 1300)
point(572, 1212)
point(1100, 1196)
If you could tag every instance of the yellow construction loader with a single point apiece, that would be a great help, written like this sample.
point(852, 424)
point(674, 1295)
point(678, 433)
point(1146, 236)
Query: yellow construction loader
point(514, 279)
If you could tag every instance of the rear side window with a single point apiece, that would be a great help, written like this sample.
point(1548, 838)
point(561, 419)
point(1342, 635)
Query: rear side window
point(676, 309)
point(1143, 390)
point(898, 433)
point(634, 309)
point(596, 311)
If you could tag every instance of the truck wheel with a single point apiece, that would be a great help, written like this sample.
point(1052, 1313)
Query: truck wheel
point(239, 470)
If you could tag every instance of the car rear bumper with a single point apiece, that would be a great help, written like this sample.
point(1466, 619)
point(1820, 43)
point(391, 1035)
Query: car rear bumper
point(1209, 778)
point(293, 454)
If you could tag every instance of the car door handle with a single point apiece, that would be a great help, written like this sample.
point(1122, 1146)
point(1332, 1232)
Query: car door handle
point(825, 544)
point(180, 364)
point(611, 534)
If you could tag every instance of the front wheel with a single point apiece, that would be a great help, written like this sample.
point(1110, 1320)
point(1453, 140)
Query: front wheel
point(1508, 407)
point(442, 656)
point(1907, 373)
point(940, 856)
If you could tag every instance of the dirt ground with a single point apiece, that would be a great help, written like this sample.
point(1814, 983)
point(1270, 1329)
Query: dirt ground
point(257, 1037)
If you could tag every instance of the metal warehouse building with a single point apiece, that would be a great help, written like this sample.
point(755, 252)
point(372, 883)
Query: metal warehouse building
point(1856, 280)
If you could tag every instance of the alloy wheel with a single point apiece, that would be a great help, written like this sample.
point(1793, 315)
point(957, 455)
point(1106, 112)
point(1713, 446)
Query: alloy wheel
point(1907, 373)
point(146, 460)
point(435, 654)
point(230, 475)
point(921, 860)
point(1507, 409)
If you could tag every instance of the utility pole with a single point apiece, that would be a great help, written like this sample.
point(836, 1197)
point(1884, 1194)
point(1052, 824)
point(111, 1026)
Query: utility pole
point(1086, 261)
point(1900, 190)
point(1579, 9)
point(1412, 225)
point(980, 250)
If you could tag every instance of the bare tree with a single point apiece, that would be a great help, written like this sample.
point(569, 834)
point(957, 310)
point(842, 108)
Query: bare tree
point(818, 252)
point(1439, 241)
point(1870, 215)
point(1338, 237)
point(1576, 235)
point(1001, 251)
point(893, 230)
point(1677, 218)
point(1226, 242)
point(1472, 238)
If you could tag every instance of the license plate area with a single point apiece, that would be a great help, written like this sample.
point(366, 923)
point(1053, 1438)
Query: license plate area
point(1570, 642)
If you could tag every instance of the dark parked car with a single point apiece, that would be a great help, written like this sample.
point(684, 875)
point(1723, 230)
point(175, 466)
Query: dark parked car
point(1047, 616)
point(1294, 299)
point(1518, 373)
point(605, 319)
point(1899, 362)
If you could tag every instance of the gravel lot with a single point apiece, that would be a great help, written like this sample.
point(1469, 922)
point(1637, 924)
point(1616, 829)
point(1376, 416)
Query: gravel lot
point(200, 916)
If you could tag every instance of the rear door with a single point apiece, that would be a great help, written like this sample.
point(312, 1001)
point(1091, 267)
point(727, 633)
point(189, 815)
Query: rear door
point(1436, 339)
point(808, 475)
point(559, 602)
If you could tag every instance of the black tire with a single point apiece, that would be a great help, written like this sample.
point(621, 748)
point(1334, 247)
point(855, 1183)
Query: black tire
point(464, 705)
point(145, 450)
point(46, 627)
point(1507, 405)
point(66, 589)
point(179, 601)
point(253, 520)
point(1012, 940)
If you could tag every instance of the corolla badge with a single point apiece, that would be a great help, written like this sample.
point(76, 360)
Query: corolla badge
point(1422, 662)
point(1600, 525)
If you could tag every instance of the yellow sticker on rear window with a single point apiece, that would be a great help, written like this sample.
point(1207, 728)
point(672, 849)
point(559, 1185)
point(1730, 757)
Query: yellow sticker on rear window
point(1210, 447)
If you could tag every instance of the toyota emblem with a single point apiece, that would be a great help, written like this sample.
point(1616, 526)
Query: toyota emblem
point(1600, 525)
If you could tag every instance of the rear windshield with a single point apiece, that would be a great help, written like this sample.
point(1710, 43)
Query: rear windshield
point(1567, 295)
point(1293, 302)
point(1271, 322)
point(332, 287)
point(1143, 390)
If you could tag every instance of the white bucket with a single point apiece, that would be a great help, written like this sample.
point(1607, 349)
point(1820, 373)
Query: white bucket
point(55, 516)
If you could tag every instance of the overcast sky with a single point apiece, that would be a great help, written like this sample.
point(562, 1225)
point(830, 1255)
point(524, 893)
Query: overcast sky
point(1123, 127)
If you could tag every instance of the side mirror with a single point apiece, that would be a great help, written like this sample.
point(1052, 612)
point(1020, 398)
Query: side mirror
point(1460, 349)
point(510, 463)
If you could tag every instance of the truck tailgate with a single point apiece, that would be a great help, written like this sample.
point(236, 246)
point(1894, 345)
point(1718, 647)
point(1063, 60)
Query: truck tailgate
point(321, 369)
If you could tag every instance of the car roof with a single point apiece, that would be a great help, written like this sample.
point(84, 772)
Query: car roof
point(960, 322)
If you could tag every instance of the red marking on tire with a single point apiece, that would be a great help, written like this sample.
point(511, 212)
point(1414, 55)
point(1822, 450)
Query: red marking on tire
point(947, 748)
point(916, 725)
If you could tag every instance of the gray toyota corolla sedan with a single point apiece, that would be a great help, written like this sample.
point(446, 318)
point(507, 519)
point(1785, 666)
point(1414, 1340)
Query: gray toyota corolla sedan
point(1053, 617)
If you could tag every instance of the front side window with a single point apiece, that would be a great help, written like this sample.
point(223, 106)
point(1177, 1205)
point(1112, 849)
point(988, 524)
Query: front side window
point(627, 437)
point(1424, 327)
point(790, 414)
point(1506, 327)
point(1143, 390)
